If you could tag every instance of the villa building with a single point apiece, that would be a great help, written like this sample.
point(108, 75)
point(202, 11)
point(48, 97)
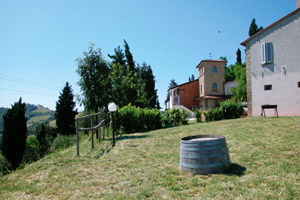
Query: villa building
point(208, 91)
point(273, 67)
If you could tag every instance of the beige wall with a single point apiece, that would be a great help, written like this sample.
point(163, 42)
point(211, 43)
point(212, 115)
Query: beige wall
point(297, 3)
point(208, 77)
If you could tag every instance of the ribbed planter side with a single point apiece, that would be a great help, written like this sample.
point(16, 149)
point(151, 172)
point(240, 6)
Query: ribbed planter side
point(204, 154)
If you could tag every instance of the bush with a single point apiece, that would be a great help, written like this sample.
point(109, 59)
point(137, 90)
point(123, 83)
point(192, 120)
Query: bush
point(228, 110)
point(4, 164)
point(63, 142)
point(184, 117)
point(213, 115)
point(176, 116)
point(198, 115)
point(45, 135)
point(231, 109)
point(131, 119)
point(32, 153)
point(167, 118)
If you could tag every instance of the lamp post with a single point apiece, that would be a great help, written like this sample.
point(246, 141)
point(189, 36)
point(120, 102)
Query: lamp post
point(112, 108)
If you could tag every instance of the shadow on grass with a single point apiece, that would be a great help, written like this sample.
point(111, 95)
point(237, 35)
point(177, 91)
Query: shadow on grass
point(130, 137)
point(235, 170)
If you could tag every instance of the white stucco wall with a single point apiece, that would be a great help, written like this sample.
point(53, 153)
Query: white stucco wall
point(229, 85)
point(285, 38)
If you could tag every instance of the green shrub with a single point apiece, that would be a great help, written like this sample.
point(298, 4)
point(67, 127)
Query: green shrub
point(63, 142)
point(184, 116)
point(231, 109)
point(128, 119)
point(32, 153)
point(45, 136)
point(131, 119)
point(176, 116)
point(228, 110)
point(4, 164)
point(198, 115)
point(167, 118)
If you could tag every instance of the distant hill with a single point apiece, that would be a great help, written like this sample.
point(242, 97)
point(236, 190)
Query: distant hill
point(35, 114)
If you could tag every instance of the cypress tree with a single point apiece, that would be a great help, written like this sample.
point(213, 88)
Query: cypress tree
point(42, 137)
point(129, 57)
point(14, 134)
point(254, 28)
point(148, 78)
point(118, 57)
point(238, 57)
point(193, 77)
point(65, 113)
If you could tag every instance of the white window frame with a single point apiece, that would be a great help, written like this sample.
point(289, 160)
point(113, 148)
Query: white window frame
point(266, 53)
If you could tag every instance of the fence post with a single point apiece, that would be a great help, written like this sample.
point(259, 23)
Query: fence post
point(100, 118)
point(107, 123)
point(92, 133)
point(77, 137)
point(104, 125)
point(113, 130)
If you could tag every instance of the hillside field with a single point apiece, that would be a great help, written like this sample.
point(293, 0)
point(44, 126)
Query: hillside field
point(264, 152)
point(35, 114)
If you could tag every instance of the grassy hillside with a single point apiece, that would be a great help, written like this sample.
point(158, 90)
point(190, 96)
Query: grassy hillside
point(265, 153)
point(35, 114)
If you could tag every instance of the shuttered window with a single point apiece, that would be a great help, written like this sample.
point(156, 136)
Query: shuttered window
point(266, 53)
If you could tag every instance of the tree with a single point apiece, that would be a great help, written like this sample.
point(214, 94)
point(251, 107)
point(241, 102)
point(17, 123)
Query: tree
point(229, 73)
point(238, 57)
point(44, 138)
point(171, 84)
point(125, 87)
point(65, 113)
point(146, 74)
point(32, 150)
point(254, 28)
point(118, 57)
point(14, 134)
point(129, 57)
point(94, 80)
point(240, 76)
point(131, 83)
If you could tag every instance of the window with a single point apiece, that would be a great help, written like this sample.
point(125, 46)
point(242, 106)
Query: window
point(214, 87)
point(298, 84)
point(268, 87)
point(266, 53)
point(214, 69)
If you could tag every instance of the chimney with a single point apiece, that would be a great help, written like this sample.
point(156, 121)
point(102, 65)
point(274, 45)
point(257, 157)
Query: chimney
point(297, 4)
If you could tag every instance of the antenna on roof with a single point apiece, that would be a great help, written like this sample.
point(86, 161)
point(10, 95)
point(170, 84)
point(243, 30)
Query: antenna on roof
point(210, 56)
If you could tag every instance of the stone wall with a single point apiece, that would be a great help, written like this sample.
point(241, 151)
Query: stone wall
point(248, 79)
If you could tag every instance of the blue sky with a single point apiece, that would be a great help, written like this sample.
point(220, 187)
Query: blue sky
point(40, 40)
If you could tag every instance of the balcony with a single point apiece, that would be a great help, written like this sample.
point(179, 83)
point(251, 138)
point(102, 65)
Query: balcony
point(176, 100)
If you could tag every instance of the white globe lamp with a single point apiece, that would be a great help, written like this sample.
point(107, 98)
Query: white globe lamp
point(112, 107)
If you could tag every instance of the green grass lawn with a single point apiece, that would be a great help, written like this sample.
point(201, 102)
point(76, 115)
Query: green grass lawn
point(265, 153)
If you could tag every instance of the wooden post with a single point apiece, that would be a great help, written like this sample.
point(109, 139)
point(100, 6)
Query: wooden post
point(104, 126)
point(77, 137)
point(113, 130)
point(92, 133)
point(100, 129)
point(107, 123)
